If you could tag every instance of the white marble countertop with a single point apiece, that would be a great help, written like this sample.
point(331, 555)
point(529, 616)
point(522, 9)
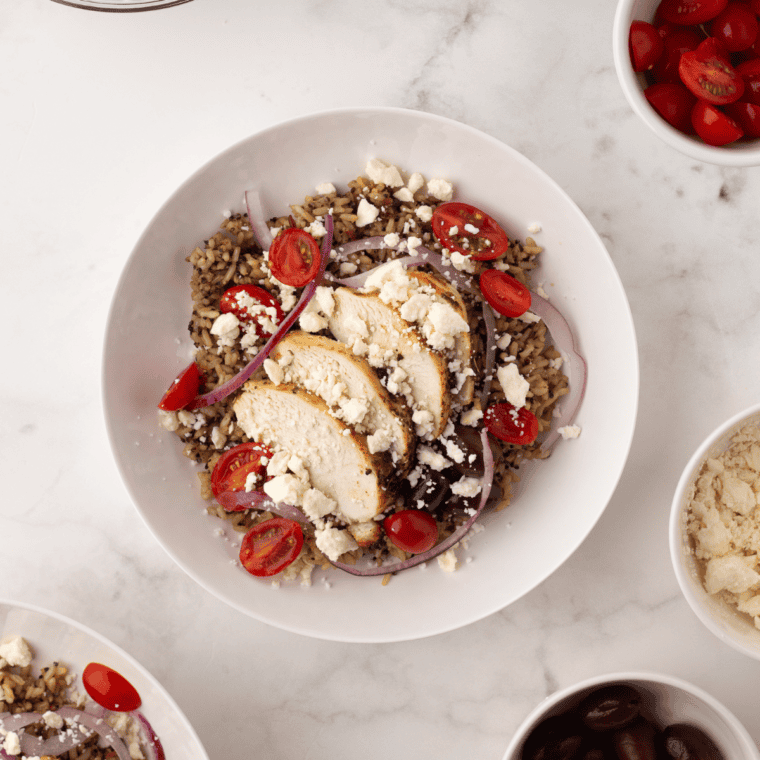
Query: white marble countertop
point(103, 115)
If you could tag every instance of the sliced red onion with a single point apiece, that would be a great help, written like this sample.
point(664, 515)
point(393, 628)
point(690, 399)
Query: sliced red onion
point(18, 721)
point(238, 380)
point(447, 543)
point(150, 740)
point(236, 501)
point(574, 365)
point(257, 219)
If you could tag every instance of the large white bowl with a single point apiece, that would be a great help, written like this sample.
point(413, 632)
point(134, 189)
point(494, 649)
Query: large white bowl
point(743, 153)
point(146, 344)
point(725, 621)
point(56, 638)
point(668, 700)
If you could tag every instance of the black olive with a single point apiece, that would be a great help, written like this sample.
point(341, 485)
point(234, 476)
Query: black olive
point(637, 741)
point(431, 489)
point(560, 737)
point(610, 707)
point(685, 742)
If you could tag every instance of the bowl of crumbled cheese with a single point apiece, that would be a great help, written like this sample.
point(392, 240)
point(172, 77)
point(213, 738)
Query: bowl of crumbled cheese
point(715, 532)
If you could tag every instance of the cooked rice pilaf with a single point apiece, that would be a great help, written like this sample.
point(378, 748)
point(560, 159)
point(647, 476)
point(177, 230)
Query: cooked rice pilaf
point(233, 257)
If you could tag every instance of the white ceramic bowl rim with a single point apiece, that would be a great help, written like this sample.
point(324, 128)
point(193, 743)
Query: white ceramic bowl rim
point(692, 588)
point(568, 696)
point(734, 154)
point(85, 645)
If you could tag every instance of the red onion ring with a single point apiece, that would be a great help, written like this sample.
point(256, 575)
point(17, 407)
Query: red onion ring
point(150, 740)
point(240, 378)
point(447, 543)
point(235, 501)
point(257, 219)
point(59, 743)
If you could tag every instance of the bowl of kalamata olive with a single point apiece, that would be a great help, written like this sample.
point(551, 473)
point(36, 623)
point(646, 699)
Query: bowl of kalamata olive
point(631, 716)
point(690, 69)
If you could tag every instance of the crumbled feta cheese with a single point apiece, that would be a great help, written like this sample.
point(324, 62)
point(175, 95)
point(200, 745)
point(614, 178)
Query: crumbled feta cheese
point(448, 561)
point(366, 213)
point(12, 744)
point(441, 189)
point(274, 371)
point(285, 489)
point(311, 322)
point(168, 420)
point(325, 188)
point(514, 385)
point(325, 300)
point(416, 182)
point(227, 329)
point(392, 239)
point(432, 458)
point(405, 195)
point(383, 174)
point(534, 228)
point(52, 719)
point(317, 229)
point(424, 213)
point(467, 487)
point(569, 431)
point(316, 504)
point(15, 651)
point(529, 317)
point(471, 417)
point(334, 542)
point(380, 440)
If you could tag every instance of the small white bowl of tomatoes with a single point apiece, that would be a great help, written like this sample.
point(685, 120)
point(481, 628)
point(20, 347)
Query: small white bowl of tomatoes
point(690, 70)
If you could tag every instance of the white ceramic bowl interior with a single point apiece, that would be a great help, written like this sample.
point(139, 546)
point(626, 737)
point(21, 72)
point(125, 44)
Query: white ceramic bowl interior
point(633, 85)
point(668, 700)
point(56, 638)
point(725, 621)
point(147, 344)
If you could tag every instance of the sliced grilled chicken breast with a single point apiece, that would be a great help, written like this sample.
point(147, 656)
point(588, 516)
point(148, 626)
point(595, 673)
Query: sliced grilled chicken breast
point(462, 351)
point(336, 458)
point(367, 325)
point(350, 387)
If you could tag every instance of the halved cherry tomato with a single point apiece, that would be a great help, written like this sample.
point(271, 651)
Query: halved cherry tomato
point(735, 27)
point(673, 102)
point(270, 546)
point(412, 530)
point(504, 293)
point(294, 257)
point(109, 688)
point(235, 465)
point(250, 303)
point(746, 115)
point(183, 390)
point(470, 231)
point(645, 45)
point(508, 423)
point(749, 71)
point(755, 5)
point(676, 40)
point(690, 11)
point(714, 126)
point(708, 73)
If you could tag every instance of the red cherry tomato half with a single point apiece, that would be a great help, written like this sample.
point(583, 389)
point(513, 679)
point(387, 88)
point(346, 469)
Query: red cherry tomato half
point(183, 390)
point(714, 126)
point(235, 465)
point(294, 257)
point(755, 5)
point(412, 530)
point(749, 71)
point(645, 45)
point(735, 27)
point(504, 293)
point(269, 547)
point(746, 115)
point(109, 688)
point(507, 423)
point(677, 40)
point(673, 102)
point(708, 73)
point(250, 303)
point(470, 231)
point(690, 11)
